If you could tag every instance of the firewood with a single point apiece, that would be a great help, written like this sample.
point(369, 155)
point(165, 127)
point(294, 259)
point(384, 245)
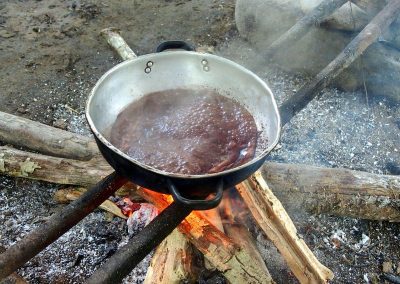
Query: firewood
point(45, 139)
point(19, 163)
point(233, 222)
point(172, 261)
point(319, 190)
point(352, 51)
point(277, 225)
point(336, 191)
point(232, 260)
point(68, 195)
point(118, 43)
point(302, 27)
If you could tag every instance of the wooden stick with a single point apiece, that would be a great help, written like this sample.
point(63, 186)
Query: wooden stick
point(277, 225)
point(302, 27)
point(45, 139)
point(172, 261)
point(68, 195)
point(351, 52)
point(118, 43)
point(318, 190)
point(233, 261)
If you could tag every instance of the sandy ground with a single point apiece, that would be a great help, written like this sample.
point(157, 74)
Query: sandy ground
point(51, 56)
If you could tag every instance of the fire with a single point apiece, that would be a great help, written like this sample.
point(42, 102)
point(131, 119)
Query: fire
point(127, 206)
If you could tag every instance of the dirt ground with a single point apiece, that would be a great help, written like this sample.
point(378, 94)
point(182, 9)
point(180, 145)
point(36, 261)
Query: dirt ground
point(51, 55)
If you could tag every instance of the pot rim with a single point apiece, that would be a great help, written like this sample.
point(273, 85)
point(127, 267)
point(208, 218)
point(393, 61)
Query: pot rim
point(111, 147)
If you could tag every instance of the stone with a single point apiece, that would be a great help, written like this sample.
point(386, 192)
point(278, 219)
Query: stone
point(261, 22)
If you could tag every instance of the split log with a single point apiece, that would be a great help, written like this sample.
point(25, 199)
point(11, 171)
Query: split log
point(172, 261)
point(337, 191)
point(302, 27)
point(277, 225)
point(68, 195)
point(233, 222)
point(45, 139)
point(232, 260)
point(319, 190)
point(352, 51)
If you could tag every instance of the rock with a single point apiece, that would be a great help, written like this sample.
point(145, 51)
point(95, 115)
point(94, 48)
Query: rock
point(60, 123)
point(7, 34)
point(349, 17)
point(263, 21)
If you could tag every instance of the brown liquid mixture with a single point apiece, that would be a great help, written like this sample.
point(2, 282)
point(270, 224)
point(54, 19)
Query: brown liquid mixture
point(187, 131)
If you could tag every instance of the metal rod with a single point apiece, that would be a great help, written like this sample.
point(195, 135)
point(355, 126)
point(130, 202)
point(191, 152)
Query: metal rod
point(19, 253)
point(125, 259)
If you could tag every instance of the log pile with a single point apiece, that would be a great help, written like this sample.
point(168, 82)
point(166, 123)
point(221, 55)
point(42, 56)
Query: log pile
point(67, 158)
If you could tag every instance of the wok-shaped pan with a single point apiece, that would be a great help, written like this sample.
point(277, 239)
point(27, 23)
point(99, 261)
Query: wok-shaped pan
point(167, 70)
point(130, 80)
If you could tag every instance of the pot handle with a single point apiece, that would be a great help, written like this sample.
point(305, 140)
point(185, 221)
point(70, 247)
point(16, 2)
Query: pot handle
point(174, 44)
point(195, 204)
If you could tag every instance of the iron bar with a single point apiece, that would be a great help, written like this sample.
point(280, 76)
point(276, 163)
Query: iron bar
point(125, 259)
point(37, 240)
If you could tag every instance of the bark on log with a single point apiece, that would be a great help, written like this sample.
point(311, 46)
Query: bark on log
point(302, 27)
point(353, 50)
point(24, 164)
point(319, 190)
point(232, 260)
point(335, 191)
point(45, 139)
point(172, 261)
point(277, 225)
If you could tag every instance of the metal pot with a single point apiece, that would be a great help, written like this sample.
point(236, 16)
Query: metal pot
point(159, 71)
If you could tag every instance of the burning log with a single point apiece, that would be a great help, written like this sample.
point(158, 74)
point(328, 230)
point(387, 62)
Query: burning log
point(318, 190)
point(232, 260)
point(277, 225)
point(232, 214)
point(302, 27)
point(45, 139)
point(172, 261)
point(353, 50)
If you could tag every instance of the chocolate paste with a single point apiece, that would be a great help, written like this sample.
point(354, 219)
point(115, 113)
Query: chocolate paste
point(187, 131)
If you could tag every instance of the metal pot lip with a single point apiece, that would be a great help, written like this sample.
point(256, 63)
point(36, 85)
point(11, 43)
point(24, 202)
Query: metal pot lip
point(141, 58)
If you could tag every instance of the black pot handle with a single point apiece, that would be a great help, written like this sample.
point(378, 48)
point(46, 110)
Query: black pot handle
point(195, 204)
point(175, 44)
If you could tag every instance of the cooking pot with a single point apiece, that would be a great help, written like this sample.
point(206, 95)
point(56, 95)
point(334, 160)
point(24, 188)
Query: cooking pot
point(166, 70)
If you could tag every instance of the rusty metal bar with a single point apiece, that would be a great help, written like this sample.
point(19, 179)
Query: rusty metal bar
point(18, 254)
point(125, 259)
